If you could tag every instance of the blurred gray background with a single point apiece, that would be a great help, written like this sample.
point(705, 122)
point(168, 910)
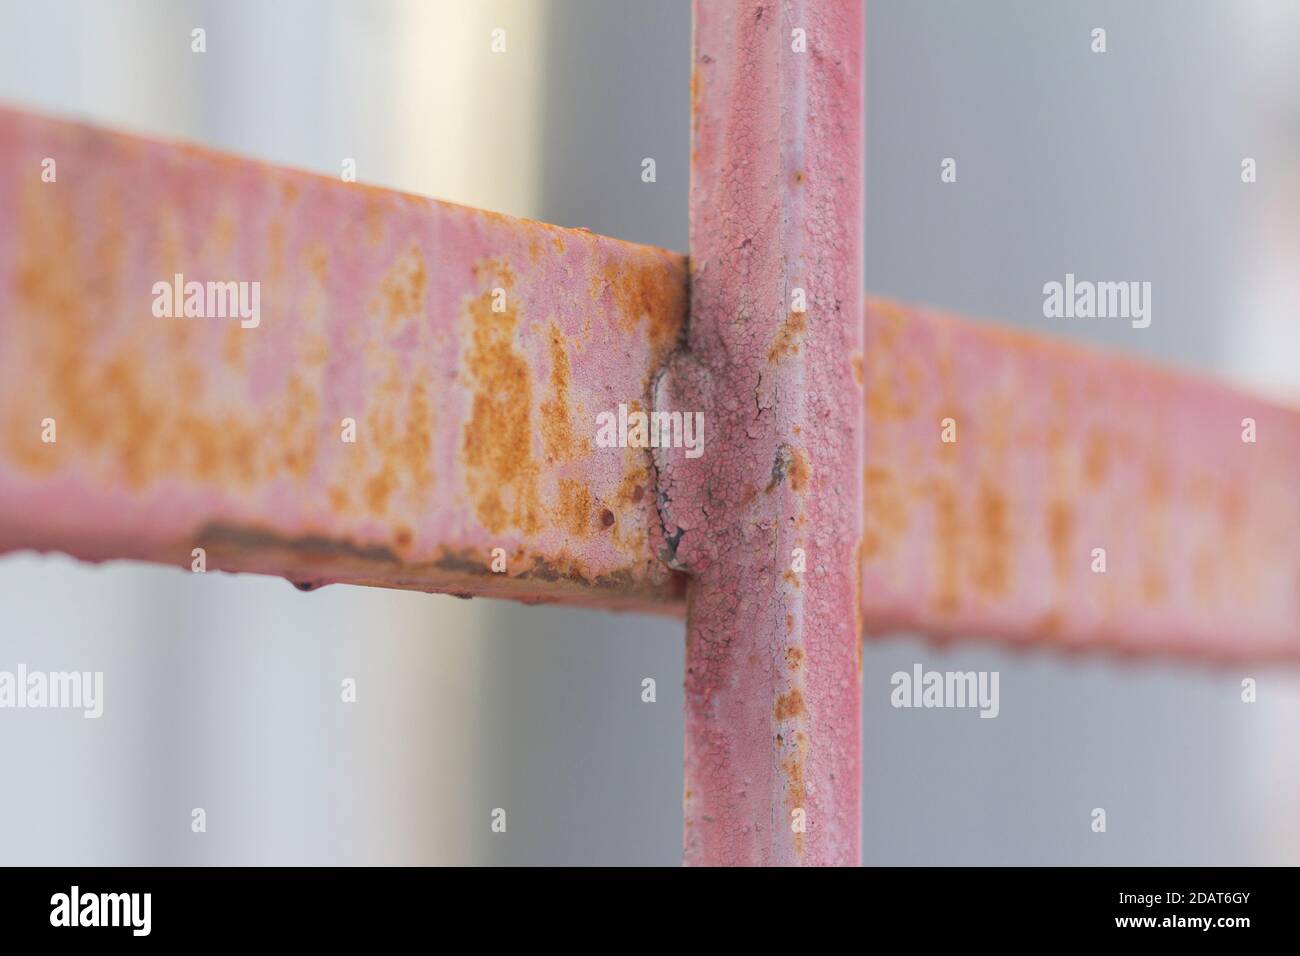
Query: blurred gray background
point(223, 692)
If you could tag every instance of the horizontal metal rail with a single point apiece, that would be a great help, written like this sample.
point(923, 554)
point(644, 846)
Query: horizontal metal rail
point(1085, 500)
point(475, 429)
point(412, 405)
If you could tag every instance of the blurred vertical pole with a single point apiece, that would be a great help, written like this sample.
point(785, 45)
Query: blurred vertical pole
point(1262, 350)
point(768, 517)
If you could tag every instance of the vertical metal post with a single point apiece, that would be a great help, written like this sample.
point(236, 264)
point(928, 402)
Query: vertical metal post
point(767, 519)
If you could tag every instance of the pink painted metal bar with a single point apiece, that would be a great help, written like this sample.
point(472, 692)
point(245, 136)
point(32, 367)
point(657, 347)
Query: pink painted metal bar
point(767, 519)
point(471, 351)
point(1068, 461)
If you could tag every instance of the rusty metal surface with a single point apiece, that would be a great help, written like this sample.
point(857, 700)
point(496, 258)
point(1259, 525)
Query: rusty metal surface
point(474, 424)
point(773, 698)
point(1061, 450)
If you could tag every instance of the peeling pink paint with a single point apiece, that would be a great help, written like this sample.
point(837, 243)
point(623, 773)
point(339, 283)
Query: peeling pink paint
point(772, 683)
point(474, 428)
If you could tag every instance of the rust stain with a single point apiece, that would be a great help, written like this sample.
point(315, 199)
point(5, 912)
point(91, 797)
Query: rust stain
point(1096, 458)
point(796, 789)
point(363, 563)
point(398, 440)
point(497, 442)
point(1154, 585)
point(947, 546)
point(138, 403)
point(402, 538)
point(557, 428)
point(800, 472)
point(1157, 483)
point(316, 256)
point(377, 490)
point(132, 420)
point(627, 500)
point(632, 488)
point(1051, 623)
point(790, 705)
point(788, 336)
point(1060, 538)
point(793, 655)
point(402, 289)
point(884, 510)
point(644, 291)
point(992, 573)
point(574, 509)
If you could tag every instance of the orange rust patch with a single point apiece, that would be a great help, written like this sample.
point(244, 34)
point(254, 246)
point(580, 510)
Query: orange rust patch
point(695, 98)
point(498, 437)
point(1060, 535)
point(793, 655)
point(790, 705)
point(796, 792)
point(130, 420)
point(800, 472)
point(402, 289)
point(317, 259)
point(1096, 458)
point(884, 510)
point(557, 428)
point(374, 219)
point(632, 488)
point(398, 438)
point(1051, 623)
point(788, 336)
point(644, 290)
point(630, 535)
point(791, 578)
point(1154, 585)
point(339, 499)
point(947, 528)
point(377, 491)
point(858, 374)
point(992, 573)
point(574, 510)
point(1157, 483)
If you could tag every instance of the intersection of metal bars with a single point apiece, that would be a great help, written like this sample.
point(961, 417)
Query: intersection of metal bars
point(416, 408)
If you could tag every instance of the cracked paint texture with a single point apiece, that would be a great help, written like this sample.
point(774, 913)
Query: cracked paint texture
point(772, 683)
